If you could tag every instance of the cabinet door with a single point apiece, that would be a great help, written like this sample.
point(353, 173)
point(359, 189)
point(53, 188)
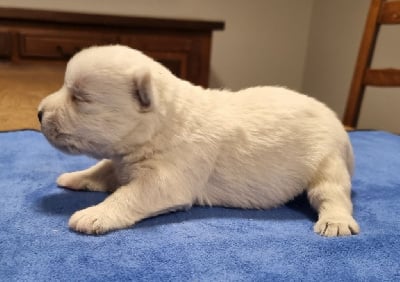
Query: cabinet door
point(5, 45)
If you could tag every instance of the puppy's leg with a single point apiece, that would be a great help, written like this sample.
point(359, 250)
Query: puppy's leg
point(329, 193)
point(148, 195)
point(100, 177)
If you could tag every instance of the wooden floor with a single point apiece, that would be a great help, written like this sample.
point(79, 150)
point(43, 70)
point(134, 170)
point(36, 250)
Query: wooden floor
point(22, 87)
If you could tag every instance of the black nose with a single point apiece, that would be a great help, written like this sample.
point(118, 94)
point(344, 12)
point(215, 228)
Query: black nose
point(40, 115)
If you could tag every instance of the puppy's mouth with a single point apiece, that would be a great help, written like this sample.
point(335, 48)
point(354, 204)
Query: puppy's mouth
point(65, 146)
point(62, 141)
point(72, 144)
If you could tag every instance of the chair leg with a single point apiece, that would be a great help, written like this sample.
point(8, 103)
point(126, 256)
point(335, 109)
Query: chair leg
point(365, 54)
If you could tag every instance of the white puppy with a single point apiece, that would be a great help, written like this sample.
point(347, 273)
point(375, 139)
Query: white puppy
point(166, 144)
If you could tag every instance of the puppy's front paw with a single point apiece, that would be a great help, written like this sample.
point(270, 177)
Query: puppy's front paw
point(71, 180)
point(332, 226)
point(93, 220)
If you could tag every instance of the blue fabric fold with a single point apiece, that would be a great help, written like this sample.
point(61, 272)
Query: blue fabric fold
point(202, 244)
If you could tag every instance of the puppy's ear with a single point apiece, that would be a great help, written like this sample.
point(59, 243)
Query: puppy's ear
point(143, 89)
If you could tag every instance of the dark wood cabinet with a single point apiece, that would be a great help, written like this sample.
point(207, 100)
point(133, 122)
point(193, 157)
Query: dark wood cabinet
point(39, 43)
point(182, 45)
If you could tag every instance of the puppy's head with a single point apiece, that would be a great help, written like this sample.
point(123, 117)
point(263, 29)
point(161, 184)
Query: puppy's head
point(108, 97)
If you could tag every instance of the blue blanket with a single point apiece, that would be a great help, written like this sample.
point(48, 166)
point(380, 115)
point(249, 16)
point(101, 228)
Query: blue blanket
point(202, 244)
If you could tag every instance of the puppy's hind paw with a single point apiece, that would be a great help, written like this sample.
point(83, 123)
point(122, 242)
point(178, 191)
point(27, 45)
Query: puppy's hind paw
point(336, 226)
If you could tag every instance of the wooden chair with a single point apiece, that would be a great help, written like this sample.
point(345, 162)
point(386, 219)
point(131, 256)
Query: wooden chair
point(381, 12)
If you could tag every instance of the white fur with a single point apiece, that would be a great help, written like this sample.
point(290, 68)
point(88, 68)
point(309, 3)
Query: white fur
point(256, 148)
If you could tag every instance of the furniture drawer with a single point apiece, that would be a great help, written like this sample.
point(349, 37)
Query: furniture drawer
point(59, 46)
point(5, 45)
point(170, 50)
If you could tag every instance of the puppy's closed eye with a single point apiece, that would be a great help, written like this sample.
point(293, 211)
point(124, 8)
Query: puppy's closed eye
point(77, 95)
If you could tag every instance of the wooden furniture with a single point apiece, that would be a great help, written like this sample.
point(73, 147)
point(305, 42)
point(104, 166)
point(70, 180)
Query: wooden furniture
point(381, 12)
point(35, 46)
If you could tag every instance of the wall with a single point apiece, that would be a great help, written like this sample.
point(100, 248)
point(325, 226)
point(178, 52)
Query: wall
point(307, 45)
point(264, 41)
point(335, 35)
